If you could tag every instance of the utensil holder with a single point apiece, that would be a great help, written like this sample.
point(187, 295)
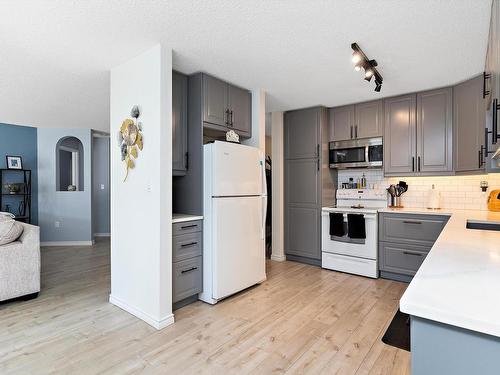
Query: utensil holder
point(397, 202)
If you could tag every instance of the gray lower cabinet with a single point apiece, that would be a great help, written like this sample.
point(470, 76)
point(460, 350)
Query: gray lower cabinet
point(469, 118)
point(303, 136)
point(226, 107)
point(405, 241)
point(187, 249)
point(401, 259)
point(179, 124)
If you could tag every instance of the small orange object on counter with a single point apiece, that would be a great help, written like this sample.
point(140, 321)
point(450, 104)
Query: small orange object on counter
point(494, 200)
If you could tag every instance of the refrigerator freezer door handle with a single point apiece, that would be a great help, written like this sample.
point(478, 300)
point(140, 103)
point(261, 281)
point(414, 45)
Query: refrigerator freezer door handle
point(264, 183)
point(264, 214)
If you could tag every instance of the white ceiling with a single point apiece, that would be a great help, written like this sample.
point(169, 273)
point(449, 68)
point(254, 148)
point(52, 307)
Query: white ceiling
point(56, 54)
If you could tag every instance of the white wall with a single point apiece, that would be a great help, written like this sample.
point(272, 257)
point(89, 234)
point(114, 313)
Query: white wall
point(258, 120)
point(278, 248)
point(457, 192)
point(141, 222)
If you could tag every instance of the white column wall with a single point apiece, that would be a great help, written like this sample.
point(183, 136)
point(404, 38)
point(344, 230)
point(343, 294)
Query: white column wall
point(141, 206)
point(258, 120)
point(278, 248)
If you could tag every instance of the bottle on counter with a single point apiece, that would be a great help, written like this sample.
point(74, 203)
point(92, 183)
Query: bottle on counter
point(351, 183)
point(363, 182)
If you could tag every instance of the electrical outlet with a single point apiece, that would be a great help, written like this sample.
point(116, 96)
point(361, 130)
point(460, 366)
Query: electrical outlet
point(57, 224)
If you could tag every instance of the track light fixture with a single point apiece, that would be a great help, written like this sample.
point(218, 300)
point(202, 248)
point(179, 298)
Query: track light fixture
point(360, 60)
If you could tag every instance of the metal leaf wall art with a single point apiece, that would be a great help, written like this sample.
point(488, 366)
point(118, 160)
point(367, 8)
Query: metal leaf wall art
point(130, 140)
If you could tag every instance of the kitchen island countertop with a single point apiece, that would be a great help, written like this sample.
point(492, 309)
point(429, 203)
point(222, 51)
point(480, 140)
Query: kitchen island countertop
point(459, 281)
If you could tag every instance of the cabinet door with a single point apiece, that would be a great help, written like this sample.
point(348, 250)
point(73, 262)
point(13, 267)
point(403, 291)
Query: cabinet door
point(434, 131)
point(341, 123)
point(368, 119)
point(240, 103)
point(468, 125)
point(302, 133)
point(215, 101)
point(302, 208)
point(179, 123)
point(399, 135)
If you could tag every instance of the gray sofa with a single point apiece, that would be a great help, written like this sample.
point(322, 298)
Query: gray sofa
point(20, 265)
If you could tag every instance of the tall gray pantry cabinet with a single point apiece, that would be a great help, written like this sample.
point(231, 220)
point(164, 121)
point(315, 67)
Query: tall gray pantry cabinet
point(307, 178)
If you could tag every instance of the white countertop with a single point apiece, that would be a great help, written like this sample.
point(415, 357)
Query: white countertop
point(459, 281)
point(180, 218)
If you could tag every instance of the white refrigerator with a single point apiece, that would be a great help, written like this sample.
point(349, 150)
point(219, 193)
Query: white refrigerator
point(235, 202)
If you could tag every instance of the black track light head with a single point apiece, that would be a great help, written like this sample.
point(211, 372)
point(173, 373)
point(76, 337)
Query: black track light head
point(360, 60)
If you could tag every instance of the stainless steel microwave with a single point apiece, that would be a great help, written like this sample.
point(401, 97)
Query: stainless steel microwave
point(356, 153)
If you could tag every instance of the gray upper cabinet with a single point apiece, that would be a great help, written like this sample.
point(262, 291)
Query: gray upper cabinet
point(179, 124)
point(226, 107)
point(418, 133)
point(302, 135)
point(240, 107)
point(400, 134)
point(363, 120)
point(368, 119)
point(215, 101)
point(469, 118)
point(341, 123)
point(434, 131)
point(492, 67)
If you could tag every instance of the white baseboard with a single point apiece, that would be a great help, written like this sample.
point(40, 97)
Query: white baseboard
point(158, 324)
point(102, 234)
point(67, 243)
point(278, 258)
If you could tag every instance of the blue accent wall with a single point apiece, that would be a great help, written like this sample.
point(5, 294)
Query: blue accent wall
point(20, 141)
point(71, 210)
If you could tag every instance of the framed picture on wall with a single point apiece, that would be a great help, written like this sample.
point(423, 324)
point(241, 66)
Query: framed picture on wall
point(14, 162)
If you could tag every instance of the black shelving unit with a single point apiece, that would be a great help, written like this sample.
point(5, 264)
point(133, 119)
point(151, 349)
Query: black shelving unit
point(22, 211)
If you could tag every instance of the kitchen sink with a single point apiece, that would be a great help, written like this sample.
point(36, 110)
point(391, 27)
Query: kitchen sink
point(483, 225)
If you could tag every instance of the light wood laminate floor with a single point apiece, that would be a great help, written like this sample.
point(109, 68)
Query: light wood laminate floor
point(301, 320)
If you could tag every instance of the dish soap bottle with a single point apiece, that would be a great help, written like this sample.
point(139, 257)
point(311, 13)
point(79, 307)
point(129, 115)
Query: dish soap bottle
point(363, 182)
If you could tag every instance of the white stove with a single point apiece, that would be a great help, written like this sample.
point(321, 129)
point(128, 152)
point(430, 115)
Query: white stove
point(353, 255)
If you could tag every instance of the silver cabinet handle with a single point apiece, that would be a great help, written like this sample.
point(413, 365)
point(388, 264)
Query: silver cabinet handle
point(411, 222)
point(189, 226)
point(351, 131)
point(355, 131)
point(412, 253)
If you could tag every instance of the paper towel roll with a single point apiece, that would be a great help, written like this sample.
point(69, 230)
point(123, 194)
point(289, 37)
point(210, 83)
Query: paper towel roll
point(433, 198)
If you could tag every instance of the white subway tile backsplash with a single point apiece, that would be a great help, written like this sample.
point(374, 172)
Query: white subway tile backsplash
point(457, 192)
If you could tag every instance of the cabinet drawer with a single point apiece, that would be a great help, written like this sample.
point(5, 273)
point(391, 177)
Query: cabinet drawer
point(186, 246)
point(186, 227)
point(187, 278)
point(402, 259)
point(411, 229)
